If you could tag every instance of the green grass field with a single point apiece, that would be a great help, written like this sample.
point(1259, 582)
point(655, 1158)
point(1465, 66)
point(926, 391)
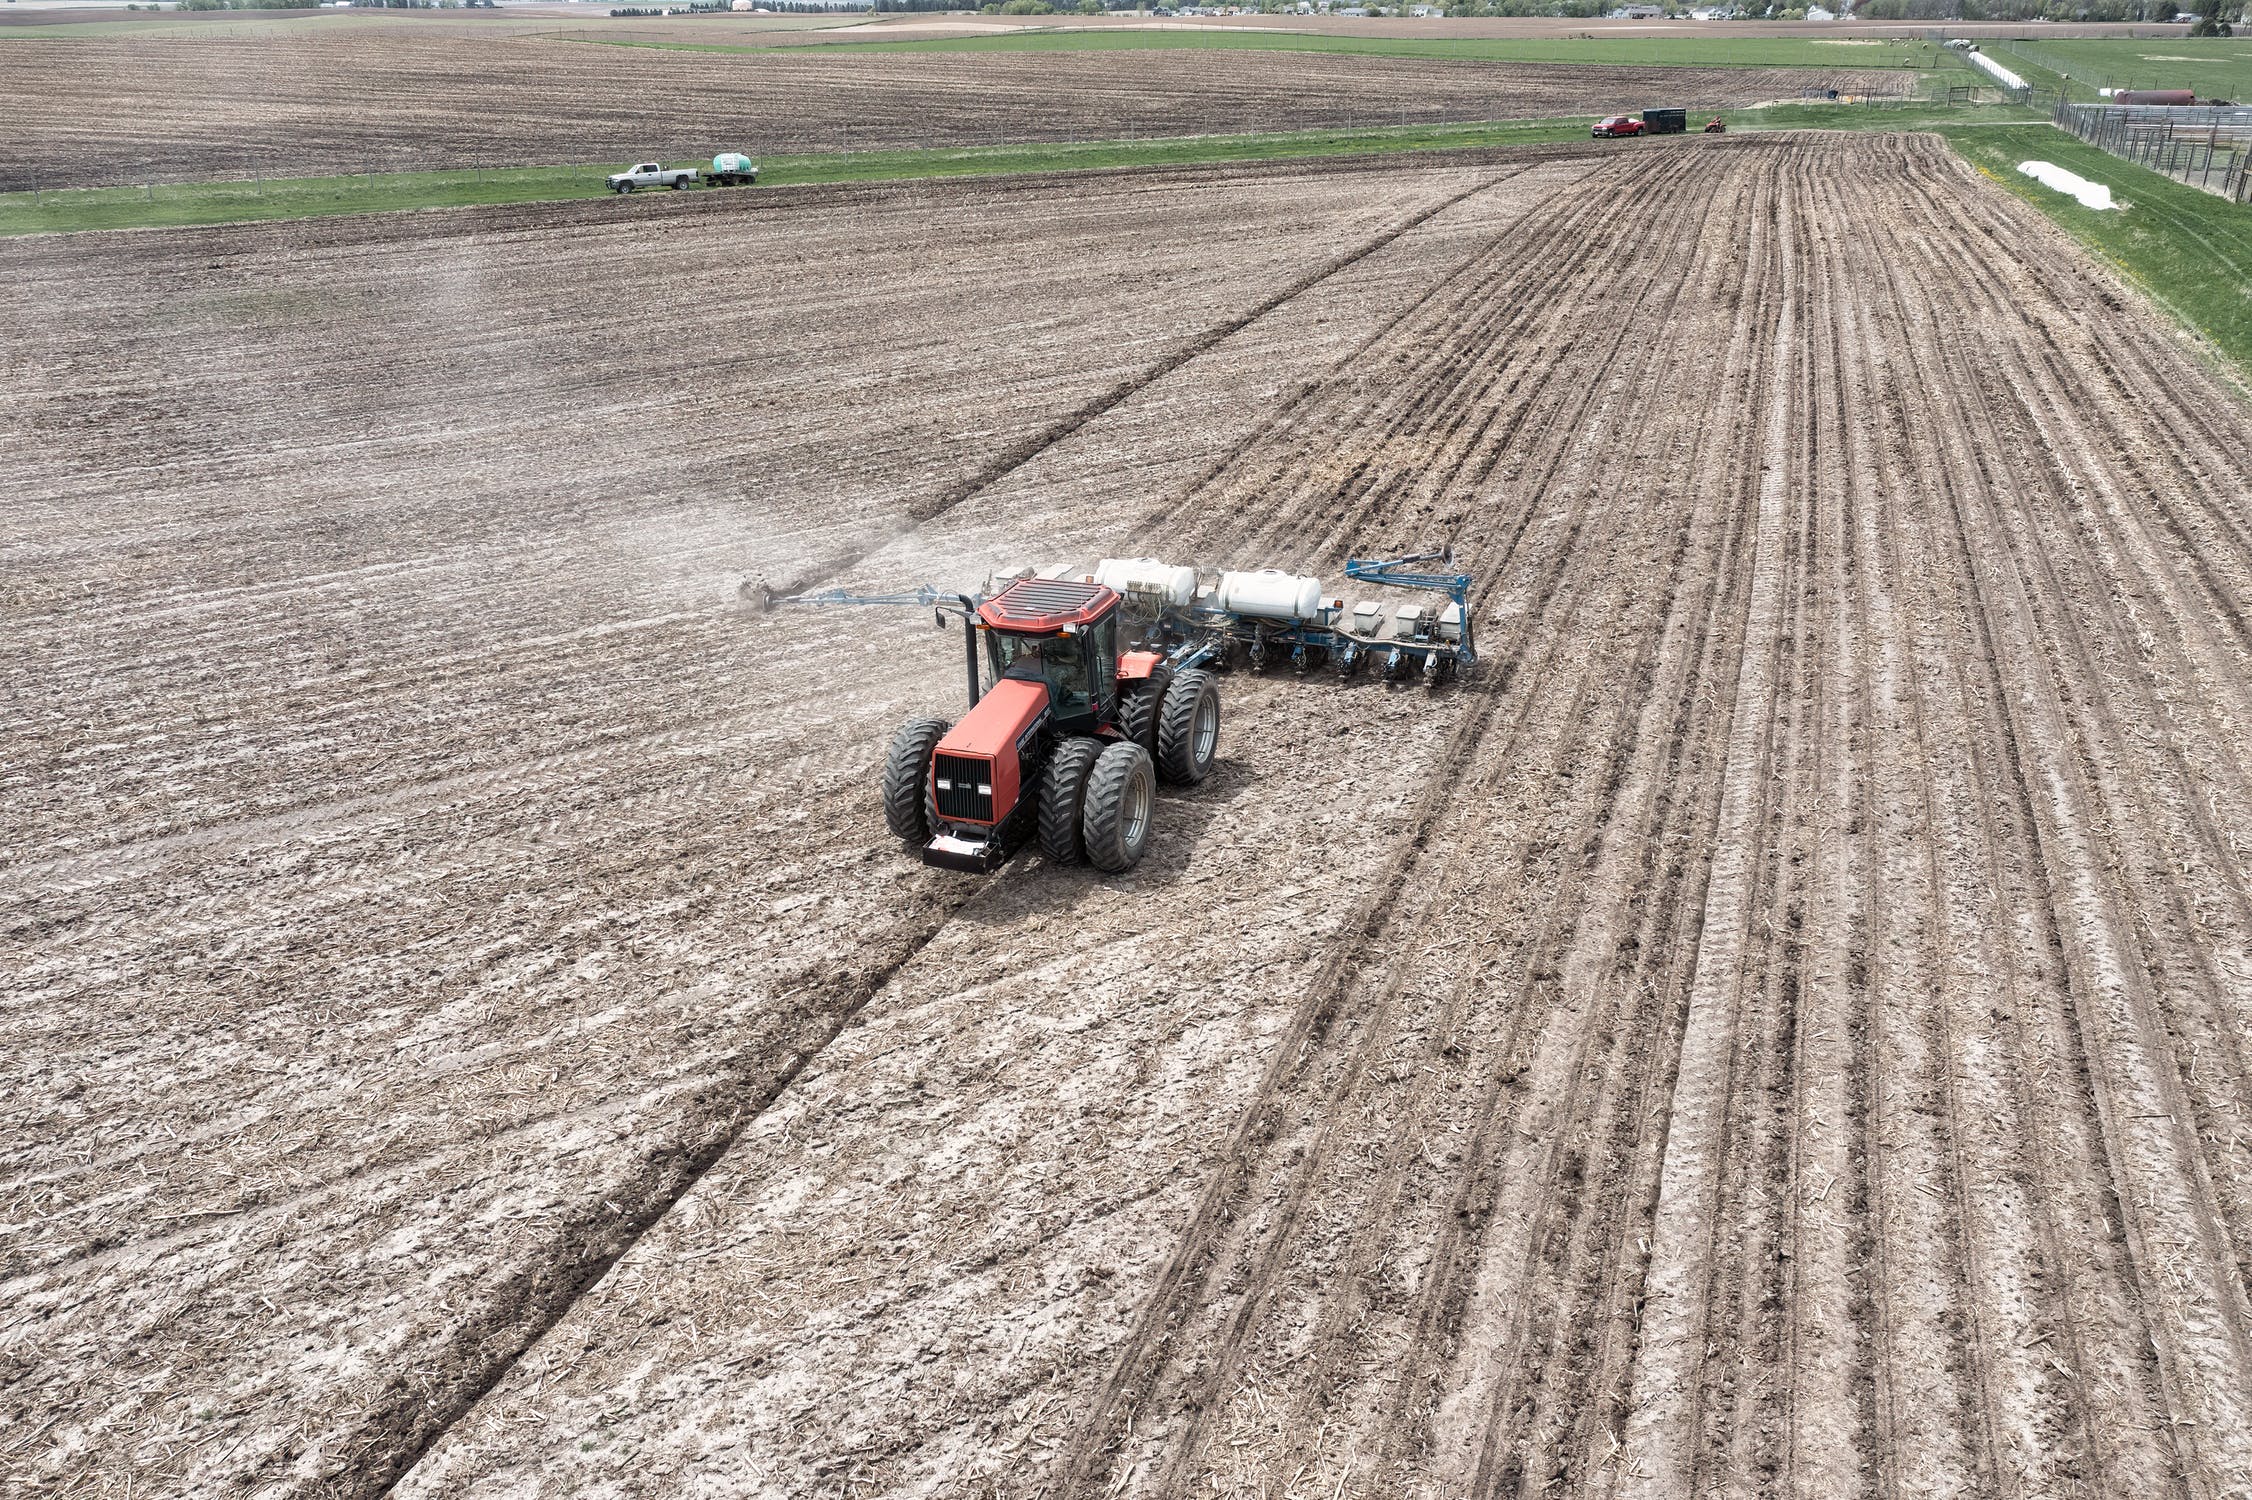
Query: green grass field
point(2191, 251)
point(1635, 51)
point(2215, 68)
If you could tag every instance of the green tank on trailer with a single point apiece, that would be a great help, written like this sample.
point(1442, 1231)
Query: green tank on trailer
point(731, 169)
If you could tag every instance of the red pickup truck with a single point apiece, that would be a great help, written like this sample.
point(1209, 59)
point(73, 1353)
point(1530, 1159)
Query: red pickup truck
point(1616, 125)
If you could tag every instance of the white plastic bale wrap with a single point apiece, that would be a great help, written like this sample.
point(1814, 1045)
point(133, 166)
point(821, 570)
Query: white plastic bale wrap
point(1146, 575)
point(1270, 594)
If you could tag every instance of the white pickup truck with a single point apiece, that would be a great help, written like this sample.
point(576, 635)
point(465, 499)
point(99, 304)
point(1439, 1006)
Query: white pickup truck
point(649, 174)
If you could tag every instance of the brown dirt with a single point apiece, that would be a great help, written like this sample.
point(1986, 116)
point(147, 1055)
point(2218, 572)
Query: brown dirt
point(93, 110)
point(1780, 1031)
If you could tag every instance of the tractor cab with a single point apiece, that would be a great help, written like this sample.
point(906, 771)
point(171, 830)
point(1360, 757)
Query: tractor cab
point(1062, 633)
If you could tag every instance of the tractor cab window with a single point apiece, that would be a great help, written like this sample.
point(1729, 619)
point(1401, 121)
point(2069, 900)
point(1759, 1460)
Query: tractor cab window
point(1058, 660)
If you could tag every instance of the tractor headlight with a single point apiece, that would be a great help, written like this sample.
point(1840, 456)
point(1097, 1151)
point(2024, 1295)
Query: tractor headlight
point(944, 785)
point(984, 790)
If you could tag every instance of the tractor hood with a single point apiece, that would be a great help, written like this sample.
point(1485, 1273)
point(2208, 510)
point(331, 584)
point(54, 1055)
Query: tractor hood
point(977, 773)
point(1002, 723)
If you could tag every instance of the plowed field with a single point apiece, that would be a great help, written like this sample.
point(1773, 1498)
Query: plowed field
point(192, 106)
point(1780, 1029)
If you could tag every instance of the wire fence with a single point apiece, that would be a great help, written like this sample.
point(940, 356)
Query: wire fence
point(2206, 146)
point(2090, 74)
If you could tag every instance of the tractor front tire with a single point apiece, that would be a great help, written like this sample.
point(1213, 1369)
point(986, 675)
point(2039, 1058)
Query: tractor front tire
point(1063, 795)
point(1188, 728)
point(1120, 799)
point(907, 779)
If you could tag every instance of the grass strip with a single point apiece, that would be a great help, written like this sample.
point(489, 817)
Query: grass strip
point(2189, 250)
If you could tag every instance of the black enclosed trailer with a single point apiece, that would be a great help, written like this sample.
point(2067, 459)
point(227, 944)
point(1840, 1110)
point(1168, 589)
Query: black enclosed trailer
point(1664, 121)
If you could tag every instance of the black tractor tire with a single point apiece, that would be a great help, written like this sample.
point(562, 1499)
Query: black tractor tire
point(1063, 794)
point(907, 779)
point(1137, 714)
point(1188, 728)
point(1121, 799)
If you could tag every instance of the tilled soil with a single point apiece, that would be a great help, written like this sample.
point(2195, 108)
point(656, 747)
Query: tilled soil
point(96, 110)
point(1779, 1029)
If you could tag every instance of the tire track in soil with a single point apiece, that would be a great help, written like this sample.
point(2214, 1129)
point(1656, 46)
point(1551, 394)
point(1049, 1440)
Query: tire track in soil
point(2042, 643)
point(1560, 1309)
point(1560, 961)
point(1326, 995)
point(1340, 1325)
point(2198, 890)
point(1962, 1146)
point(2102, 942)
point(1959, 481)
point(1303, 429)
point(1966, 1141)
point(1933, 482)
point(1020, 453)
point(1663, 1436)
point(411, 1419)
point(1830, 1322)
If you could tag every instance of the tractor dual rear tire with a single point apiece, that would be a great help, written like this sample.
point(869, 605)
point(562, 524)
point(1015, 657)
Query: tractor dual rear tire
point(1119, 804)
point(1137, 714)
point(1188, 728)
point(1063, 796)
point(907, 779)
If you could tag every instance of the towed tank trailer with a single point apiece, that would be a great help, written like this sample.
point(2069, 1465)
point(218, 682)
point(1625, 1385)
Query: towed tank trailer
point(1104, 683)
point(728, 169)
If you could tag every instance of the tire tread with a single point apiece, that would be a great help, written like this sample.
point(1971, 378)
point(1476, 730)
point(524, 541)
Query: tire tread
point(1063, 791)
point(906, 777)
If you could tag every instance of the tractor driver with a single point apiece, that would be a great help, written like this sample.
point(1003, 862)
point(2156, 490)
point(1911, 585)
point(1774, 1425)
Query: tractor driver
point(1059, 661)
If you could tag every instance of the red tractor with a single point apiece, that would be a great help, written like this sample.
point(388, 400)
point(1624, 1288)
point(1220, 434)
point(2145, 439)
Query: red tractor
point(1068, 744)
point(1103, 685)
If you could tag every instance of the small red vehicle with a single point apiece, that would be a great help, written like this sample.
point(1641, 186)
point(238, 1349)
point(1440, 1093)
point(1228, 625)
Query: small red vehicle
point(1611, 126)
point(1716, 126)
